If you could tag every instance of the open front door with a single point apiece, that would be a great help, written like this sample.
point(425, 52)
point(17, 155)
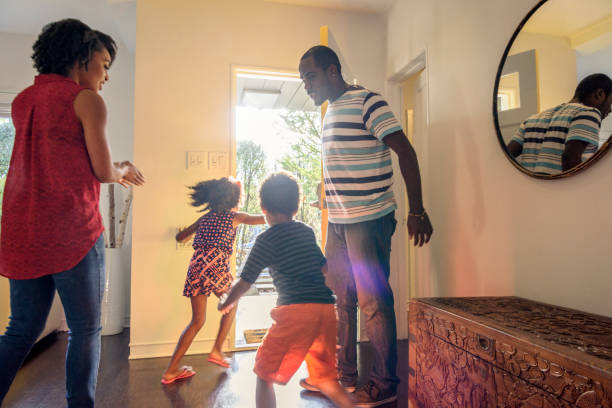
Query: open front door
point(275, 127)
point(324, 40)
point(327, 39)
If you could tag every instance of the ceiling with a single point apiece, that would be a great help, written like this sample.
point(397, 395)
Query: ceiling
point(366, 6)
point(118, 17)
point(565, 17)
point(273, 93)
point(115, 17)
point(587, 25)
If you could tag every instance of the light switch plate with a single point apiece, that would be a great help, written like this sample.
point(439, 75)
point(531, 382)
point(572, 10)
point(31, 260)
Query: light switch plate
point(197, 160)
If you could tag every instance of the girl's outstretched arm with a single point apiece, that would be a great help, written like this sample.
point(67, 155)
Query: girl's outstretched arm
point(249, 219)
point(233, 295)
point(186, 233)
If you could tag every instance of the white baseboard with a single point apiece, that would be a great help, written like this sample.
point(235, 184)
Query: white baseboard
point(165, 349)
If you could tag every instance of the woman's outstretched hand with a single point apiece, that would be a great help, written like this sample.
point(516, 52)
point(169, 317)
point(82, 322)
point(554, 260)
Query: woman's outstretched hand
point(131, 174)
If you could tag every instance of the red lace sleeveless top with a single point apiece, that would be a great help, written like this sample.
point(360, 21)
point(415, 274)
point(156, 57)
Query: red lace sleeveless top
point(50, 209)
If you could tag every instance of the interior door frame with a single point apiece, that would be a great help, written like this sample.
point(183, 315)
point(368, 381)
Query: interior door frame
point(405, 284)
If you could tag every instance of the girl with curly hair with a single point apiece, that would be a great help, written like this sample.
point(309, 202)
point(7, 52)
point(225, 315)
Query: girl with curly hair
point(209, 270)
point(51, 235)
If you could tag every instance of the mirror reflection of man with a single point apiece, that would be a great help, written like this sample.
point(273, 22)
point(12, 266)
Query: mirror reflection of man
point(555, 140)
point(359, 132)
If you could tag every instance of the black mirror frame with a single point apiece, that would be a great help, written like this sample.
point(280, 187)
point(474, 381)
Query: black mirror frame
point(598, 154)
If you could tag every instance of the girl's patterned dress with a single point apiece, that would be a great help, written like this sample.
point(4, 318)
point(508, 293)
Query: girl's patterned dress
point(209, 270)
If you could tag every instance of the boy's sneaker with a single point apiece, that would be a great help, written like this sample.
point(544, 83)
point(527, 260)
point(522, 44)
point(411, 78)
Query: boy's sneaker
point(311, 387)
point(370, 396)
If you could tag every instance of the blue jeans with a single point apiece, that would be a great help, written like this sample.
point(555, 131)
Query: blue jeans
point(358, 273)
point(80, 290)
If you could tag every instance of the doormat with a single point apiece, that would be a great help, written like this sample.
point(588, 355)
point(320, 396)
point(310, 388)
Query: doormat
point(254, 335)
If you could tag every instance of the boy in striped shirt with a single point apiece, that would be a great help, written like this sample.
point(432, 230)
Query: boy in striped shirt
point(304, 319)
point(359, 132)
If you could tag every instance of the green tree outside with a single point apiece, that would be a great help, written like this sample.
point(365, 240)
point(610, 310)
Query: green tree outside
point(303, 159)
point(7, 137)
point(251, 169)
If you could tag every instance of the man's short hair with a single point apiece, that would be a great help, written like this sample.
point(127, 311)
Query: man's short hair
point(592, 83)
point(280, 194)
point(323, 57)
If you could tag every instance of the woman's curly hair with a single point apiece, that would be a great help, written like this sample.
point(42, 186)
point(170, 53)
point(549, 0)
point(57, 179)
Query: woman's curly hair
point(216, 195)
point(64, 42)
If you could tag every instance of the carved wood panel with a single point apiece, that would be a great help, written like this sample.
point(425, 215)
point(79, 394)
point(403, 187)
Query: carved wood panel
point(448, 377)
point(583, 332)
point(511, 360)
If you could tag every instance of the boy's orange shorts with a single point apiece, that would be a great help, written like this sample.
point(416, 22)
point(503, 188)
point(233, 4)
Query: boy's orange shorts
point(299, 332)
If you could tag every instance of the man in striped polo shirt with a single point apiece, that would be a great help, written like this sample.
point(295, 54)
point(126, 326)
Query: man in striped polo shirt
point(359, 132)
point(558, 139)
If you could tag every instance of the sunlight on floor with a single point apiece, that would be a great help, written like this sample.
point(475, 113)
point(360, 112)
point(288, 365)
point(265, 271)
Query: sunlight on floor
point(242, 377)
point(253, 313)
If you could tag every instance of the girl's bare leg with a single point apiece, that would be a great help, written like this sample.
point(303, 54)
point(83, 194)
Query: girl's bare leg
point(198, 311)
point(224, 328)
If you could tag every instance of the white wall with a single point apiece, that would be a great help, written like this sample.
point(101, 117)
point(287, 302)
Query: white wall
point(183, 81)
point(17, 73)
point(118, 94)
point(497, 231)
point(592, 63)
point(556, 65)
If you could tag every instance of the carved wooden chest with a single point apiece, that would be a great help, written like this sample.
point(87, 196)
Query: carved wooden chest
point(507, 352)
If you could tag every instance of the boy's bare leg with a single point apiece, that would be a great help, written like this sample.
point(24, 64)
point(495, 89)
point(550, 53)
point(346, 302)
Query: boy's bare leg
point(334, 391)
point(224, 328)
point(264, 395)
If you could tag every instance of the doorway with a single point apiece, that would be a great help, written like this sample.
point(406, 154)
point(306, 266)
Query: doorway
point(276, 127)
point(408, 90)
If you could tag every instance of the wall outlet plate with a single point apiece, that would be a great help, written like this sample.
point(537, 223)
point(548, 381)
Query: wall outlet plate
point(217, 161)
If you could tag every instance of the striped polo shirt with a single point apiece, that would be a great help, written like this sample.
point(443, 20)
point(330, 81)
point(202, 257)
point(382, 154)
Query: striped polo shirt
point(356, 163)
point(544, 135)
point(291, 252)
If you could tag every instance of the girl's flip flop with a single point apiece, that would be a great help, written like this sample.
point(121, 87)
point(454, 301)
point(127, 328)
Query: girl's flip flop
point(186, 373)
point(223, 363)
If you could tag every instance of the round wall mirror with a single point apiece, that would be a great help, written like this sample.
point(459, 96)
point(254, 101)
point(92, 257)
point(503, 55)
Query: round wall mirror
point(552, 97)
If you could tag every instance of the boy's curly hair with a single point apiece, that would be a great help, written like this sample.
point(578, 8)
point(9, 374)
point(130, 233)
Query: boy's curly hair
point(216, 195)
point(64, 42)
point(280, 193)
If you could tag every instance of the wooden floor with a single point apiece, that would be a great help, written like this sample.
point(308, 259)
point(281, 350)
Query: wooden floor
point(135, 383)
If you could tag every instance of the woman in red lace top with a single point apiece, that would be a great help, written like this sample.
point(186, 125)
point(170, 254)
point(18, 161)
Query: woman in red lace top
point(51, 233)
